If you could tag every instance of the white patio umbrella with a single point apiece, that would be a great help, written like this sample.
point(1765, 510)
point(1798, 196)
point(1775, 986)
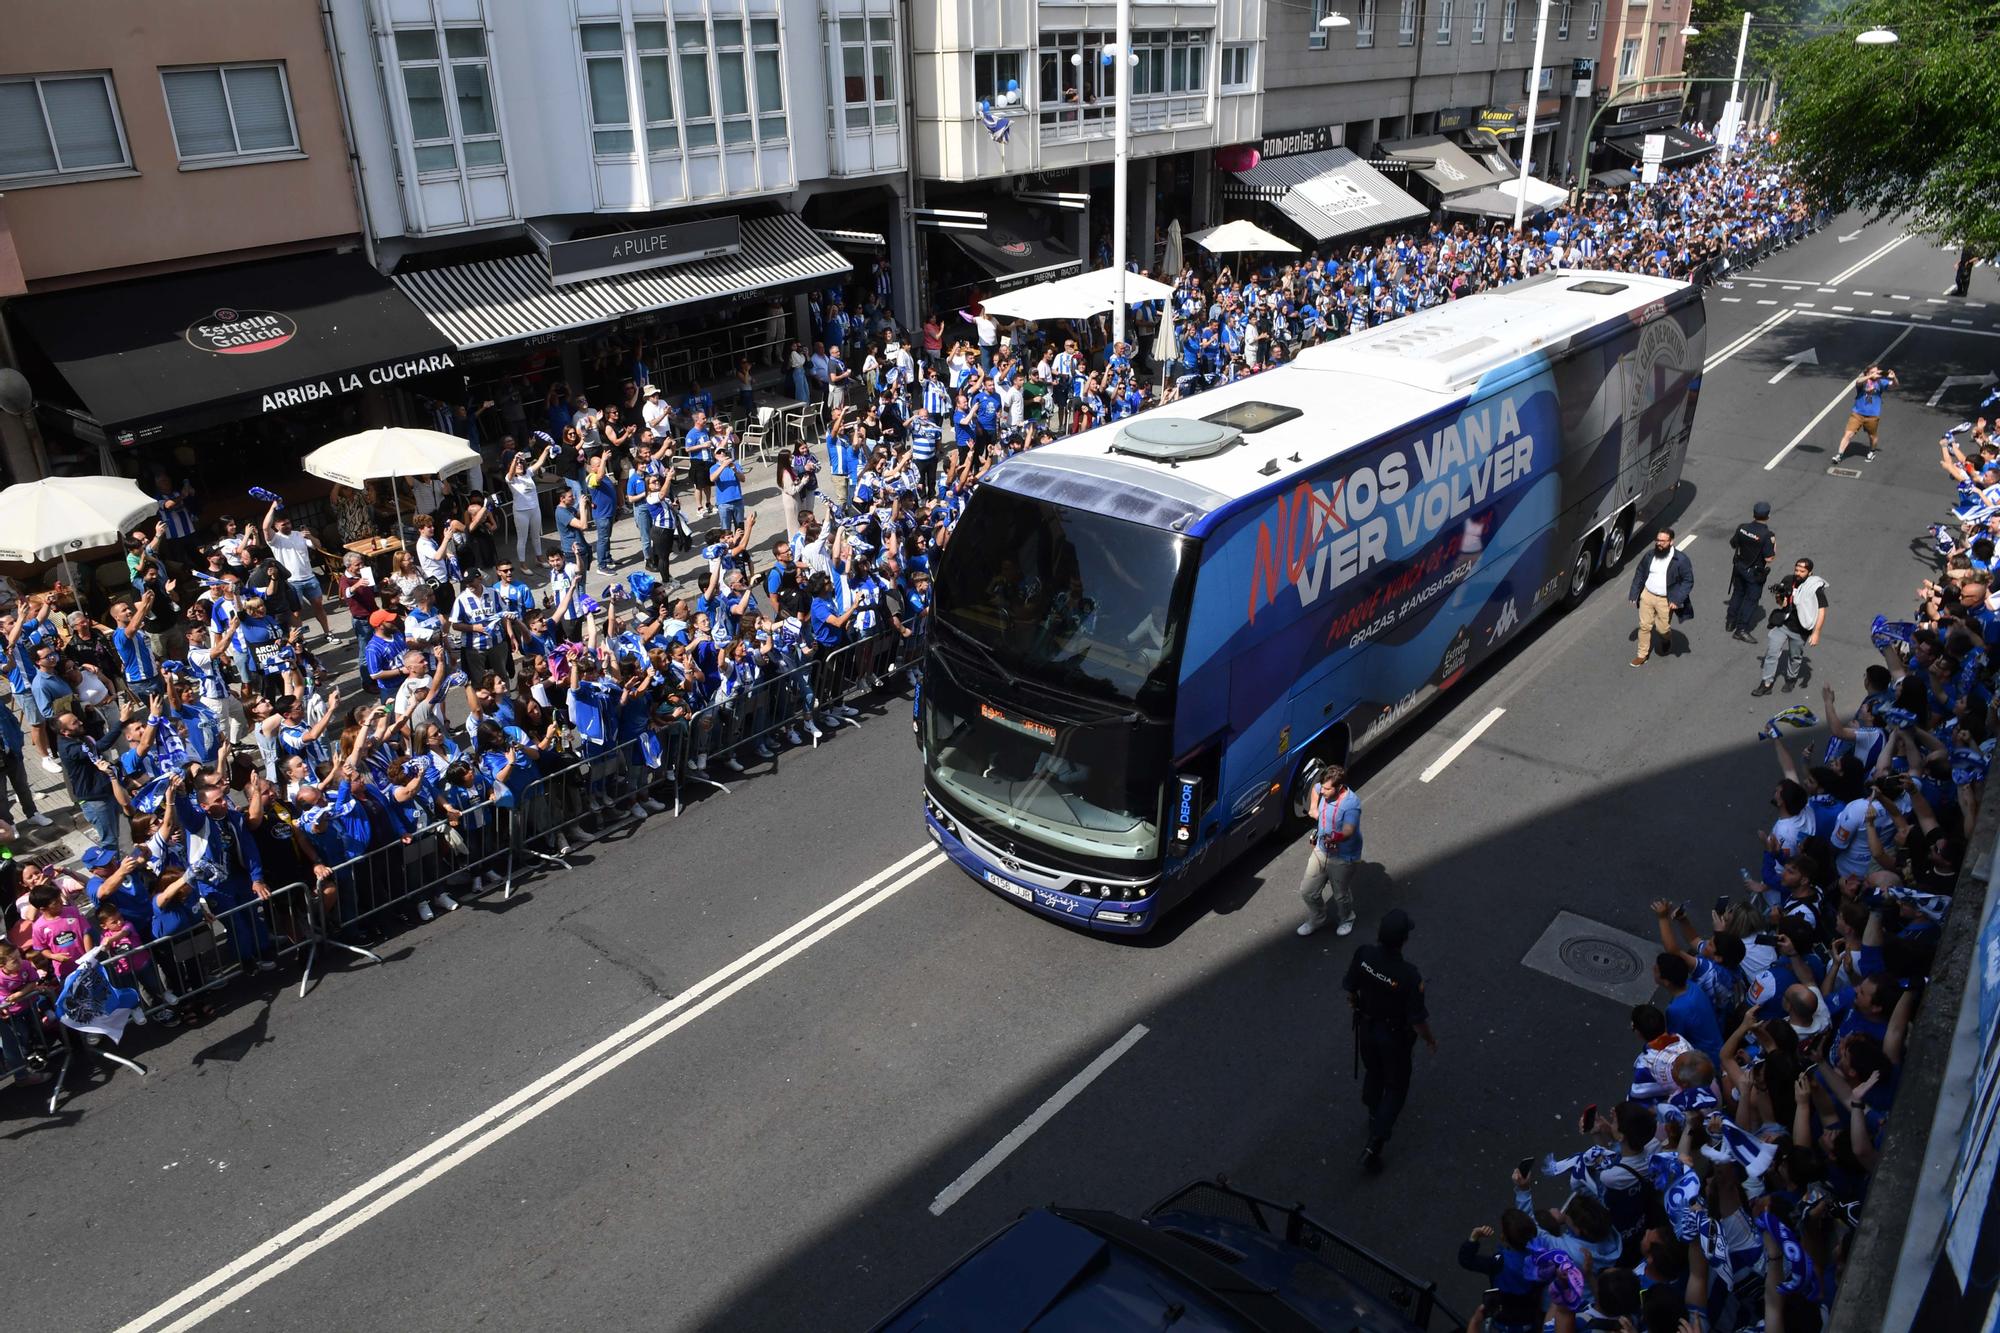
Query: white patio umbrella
point(1165, 349)
point(1241, 235)
point(1176, 257)
point(1077, 297)
point(50, 518)
point(391, 452)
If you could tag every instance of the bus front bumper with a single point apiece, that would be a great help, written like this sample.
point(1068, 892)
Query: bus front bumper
point(1113, 916)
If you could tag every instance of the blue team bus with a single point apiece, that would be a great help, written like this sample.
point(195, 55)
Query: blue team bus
point(1148, 638)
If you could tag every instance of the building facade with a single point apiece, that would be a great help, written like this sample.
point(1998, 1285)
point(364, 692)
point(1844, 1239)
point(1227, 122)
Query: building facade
point(156, 177)
point(585, 194)
point(1643, 45)
point(1014, 116)
point(1399, 70)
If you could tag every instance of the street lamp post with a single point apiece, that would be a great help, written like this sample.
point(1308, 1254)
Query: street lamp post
point(1736, 84)
point(1534, 105)
point(1122, 62)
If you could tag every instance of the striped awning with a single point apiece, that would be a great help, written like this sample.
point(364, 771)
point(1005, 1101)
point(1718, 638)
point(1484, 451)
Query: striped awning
point(1329, 193)
point(490, 301)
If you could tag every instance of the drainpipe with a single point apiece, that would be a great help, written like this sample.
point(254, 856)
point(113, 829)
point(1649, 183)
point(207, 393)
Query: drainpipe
point(347, 129)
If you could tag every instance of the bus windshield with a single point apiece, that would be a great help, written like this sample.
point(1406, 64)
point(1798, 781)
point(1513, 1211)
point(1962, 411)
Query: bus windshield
point(1067, 599)
point(1057, 642)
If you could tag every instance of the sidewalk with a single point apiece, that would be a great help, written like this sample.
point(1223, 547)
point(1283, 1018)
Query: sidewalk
point(69, 836)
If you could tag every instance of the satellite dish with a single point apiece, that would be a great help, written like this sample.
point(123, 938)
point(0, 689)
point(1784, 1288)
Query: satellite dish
point(17, 398)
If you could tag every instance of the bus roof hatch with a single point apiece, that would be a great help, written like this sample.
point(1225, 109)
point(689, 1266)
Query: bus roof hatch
point(1173, 440)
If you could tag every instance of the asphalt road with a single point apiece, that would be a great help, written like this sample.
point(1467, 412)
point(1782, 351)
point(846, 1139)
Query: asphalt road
point(720, 1076)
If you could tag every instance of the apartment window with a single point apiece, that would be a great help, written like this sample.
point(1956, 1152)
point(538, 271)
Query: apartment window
point(1478, 20)
point(868, 71)
point(1660, 51)
point(57, 125)
point(1406, 23)
point(1562, 22)
point(1364, 23)
point(450, 122)
point(732, 82)
point(1239, 67)
point(1316, 35)
point(226, 111)
point(992, 71)
point(1596, 16)
point(697, 99)
point(768, 62)
point(610, 100)
point(650, 44)
point(1509, 12)
point(1628, 58)
point(1444, 22)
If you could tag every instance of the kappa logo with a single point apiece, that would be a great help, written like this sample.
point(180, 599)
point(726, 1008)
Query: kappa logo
point(1504, 623)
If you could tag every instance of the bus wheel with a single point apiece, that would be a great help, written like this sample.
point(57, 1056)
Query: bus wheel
point(1617, 540)
point(1582, 566)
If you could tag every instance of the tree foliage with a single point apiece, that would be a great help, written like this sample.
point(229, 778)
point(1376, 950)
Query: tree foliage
point(1712, 54)
point(1911, 129)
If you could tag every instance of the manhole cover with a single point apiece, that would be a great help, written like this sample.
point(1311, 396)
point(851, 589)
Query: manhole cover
point(1600, 960)
point(1843, 472)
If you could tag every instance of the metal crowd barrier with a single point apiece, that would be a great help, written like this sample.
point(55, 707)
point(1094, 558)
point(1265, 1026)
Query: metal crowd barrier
point(581, 792)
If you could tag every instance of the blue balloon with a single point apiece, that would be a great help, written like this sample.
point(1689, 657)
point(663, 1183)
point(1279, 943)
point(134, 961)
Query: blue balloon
point(1104, 58)
point(985, 107)
point(1013, 85)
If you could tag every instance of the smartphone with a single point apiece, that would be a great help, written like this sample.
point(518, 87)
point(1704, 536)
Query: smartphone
point(1526, 1166)
point(1721, 903)
point(1681, 910)
point(1587, 1118)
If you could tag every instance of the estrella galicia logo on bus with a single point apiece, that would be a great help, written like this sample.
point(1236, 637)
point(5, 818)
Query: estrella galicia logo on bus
point(231, 332)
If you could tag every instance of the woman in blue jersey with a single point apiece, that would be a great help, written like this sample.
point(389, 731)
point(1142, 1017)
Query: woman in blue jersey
point(262, 651)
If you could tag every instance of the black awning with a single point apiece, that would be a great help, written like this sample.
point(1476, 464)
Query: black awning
point(158, 356)
point(1615, 179)
point(1681, 146)
point(1016, 248)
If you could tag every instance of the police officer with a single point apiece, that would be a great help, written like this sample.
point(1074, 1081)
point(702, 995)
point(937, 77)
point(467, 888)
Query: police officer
point(1751, 549)
point(1387, 995)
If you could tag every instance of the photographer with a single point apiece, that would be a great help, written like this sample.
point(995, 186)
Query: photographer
point(1795, 624)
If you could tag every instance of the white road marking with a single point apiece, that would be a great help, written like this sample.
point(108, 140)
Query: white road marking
point(1461, 745)
point(544, 1094)
point(1850, 271)
point(1732, 299)
point(1793, 289)
point(1041, 1115)
point(1859, 292)
point(1759, 285)
point(1881, 312)
point(1845, 395)
point(1825, 289)
point(1767, 303)
point(1686, 541)
point(1897, 296)
point(1938, 300)
point(1847, 308)
point(1742, 341)
point(1802, 305)
point(1966, 322)
point(1975, 305)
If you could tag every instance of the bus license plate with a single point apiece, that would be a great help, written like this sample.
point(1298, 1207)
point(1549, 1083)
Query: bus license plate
point(1009, 886)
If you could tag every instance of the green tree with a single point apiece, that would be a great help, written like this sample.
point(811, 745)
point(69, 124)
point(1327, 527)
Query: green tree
point(1713, 53)
point(1911, 129)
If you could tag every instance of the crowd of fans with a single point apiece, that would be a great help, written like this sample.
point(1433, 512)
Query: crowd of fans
point(223, 739)
point(1721, 1189)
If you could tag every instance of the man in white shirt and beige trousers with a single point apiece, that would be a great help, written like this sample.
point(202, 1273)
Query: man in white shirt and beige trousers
point(1661, 586)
